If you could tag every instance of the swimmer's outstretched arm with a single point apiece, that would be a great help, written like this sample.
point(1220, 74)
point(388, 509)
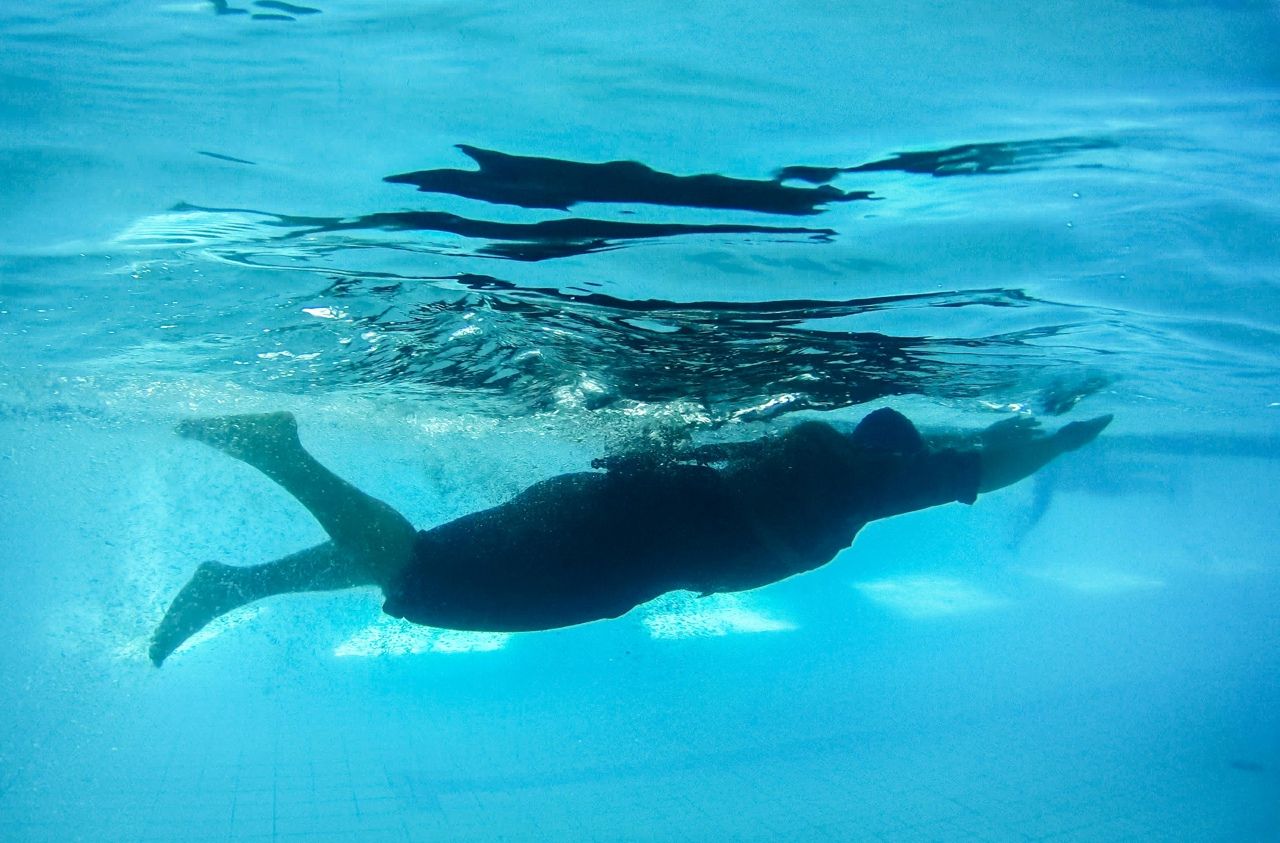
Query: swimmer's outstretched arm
point(370, 541)
point(1015, 448)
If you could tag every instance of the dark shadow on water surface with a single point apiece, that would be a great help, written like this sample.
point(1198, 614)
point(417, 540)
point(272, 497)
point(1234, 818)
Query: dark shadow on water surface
point(517, 241)
point(532, 345)
point(970, 159)
point(228, 158)
point(556, 184)
point(553, 183)
point(278, 10)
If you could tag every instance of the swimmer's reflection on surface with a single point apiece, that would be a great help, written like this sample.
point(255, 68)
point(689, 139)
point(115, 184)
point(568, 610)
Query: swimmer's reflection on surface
point(592, 545)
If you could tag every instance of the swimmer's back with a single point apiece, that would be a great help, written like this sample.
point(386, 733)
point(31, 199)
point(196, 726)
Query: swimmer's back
point(587, 546)
point(572, 549)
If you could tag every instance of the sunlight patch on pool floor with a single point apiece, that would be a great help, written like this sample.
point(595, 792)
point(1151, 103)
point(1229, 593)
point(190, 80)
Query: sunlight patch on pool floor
point(230, 620)
point(929, 596)
point(685, 615)
point(135, 649)
point(395, 637)
point(1093, 580)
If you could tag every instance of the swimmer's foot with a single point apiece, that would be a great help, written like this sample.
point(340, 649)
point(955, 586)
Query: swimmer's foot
point(255, 439)
point(213, 590)
point(1081, 433)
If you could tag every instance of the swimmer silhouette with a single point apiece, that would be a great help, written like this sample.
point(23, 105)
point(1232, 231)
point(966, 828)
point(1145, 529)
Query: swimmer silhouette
point(592, 545)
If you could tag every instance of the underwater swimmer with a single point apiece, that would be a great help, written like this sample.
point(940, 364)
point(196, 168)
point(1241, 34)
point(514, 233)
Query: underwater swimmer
point(592, 545)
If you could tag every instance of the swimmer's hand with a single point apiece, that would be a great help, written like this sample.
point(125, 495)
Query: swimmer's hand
point(1022, 429)
point(1015, 448)
point(1081, 433)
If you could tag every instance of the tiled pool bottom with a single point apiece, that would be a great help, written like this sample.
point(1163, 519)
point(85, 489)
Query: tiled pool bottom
point(1012, 780)
point(1137, 703)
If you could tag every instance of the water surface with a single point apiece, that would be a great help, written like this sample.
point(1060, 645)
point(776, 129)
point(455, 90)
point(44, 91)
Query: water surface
point(474, 245)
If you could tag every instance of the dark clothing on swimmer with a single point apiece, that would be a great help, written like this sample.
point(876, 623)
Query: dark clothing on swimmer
point(584, 547)
point(593, 545)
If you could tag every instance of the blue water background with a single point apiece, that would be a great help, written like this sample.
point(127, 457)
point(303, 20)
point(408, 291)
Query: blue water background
point(1087, 657)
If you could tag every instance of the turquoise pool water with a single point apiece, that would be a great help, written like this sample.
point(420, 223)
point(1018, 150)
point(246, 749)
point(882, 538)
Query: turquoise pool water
point(410, 224)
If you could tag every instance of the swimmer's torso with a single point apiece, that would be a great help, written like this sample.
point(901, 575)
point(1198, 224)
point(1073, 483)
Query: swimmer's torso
point(582, 547)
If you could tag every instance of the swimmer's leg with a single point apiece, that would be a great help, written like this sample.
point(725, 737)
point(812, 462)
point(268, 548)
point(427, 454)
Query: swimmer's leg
point(373, 535)
point(371, 542)
point(216, 589)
